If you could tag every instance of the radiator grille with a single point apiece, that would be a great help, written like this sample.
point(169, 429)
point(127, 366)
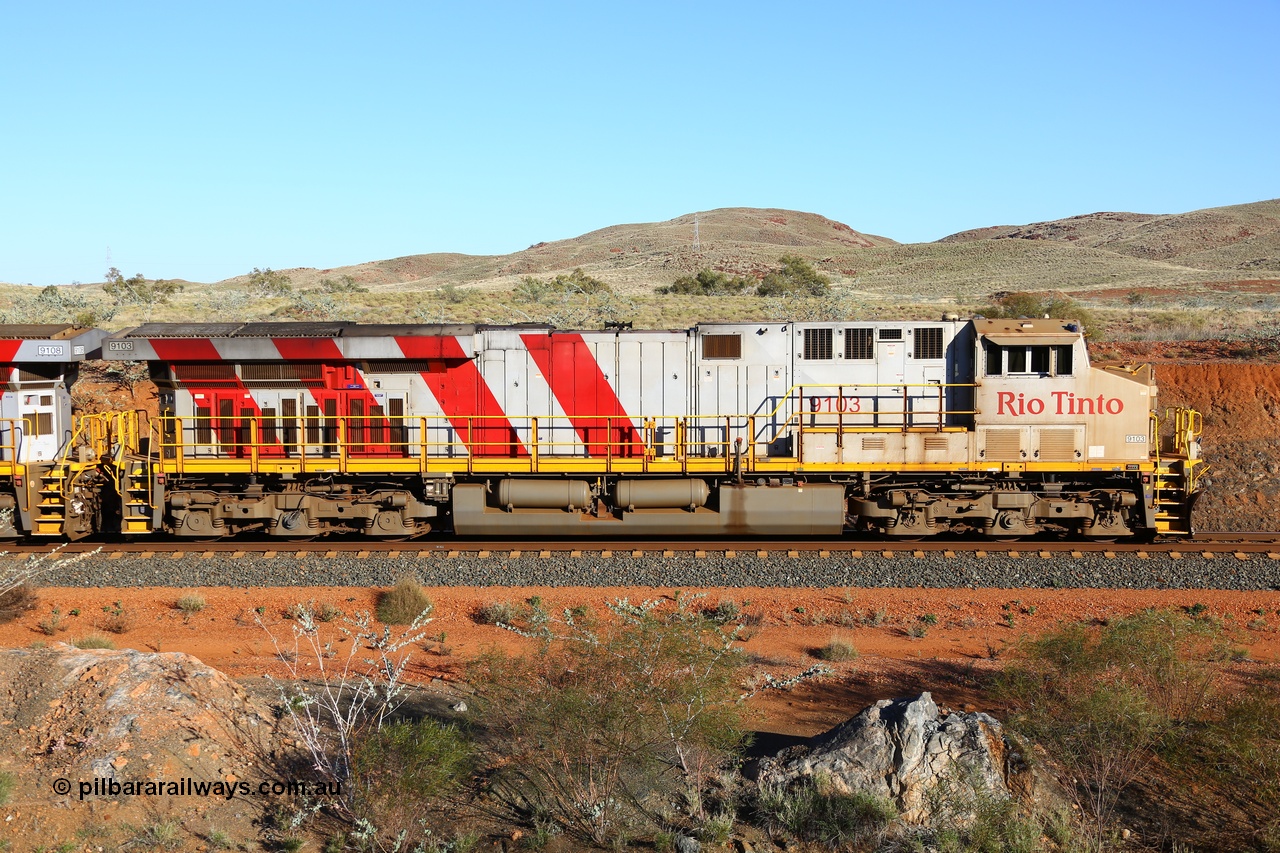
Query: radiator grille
point(935, 442)
point(1057, 445)
point(1004, 444)
point(873, 442)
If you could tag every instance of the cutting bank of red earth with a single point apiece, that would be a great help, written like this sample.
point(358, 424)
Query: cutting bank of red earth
point(1241, 407)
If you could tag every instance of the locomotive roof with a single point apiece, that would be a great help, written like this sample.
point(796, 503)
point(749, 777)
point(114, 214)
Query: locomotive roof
point(294, 330)
point(41, 331)
point(58, 343)
point(1028, 331)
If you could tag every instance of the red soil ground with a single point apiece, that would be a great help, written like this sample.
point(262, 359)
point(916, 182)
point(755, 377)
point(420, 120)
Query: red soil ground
point(973, 629)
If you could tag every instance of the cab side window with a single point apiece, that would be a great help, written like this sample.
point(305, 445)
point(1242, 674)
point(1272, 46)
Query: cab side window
point(995, 358)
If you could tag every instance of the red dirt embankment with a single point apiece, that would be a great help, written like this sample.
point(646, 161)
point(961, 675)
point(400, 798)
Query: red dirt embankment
point(1240, 402)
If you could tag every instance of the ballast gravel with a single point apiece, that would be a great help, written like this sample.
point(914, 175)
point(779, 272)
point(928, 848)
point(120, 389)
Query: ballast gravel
point(997, 570)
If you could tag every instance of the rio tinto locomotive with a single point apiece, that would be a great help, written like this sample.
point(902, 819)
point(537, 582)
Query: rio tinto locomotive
point(995, 427)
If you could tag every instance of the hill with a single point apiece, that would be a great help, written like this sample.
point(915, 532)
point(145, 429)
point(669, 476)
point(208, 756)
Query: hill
point(640, 256)
point(1222, 264)
point(1093, 251)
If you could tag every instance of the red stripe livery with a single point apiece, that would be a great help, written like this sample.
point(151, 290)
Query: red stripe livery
point(584, 393)
point(463, 395)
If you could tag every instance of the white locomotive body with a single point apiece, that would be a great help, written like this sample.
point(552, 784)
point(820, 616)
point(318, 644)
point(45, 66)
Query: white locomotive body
point(903, 428)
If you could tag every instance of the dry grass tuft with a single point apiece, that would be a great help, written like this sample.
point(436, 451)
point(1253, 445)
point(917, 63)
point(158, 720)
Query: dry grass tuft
point(14, 602)
point(403, 603)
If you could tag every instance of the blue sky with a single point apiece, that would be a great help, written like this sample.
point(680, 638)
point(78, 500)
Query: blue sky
point(200, 140)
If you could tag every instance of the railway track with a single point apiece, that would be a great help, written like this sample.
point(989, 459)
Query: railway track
point(1218, 542)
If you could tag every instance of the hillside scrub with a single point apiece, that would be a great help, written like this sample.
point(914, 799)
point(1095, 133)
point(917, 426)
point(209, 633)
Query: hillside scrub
point(796, 276)
point(1055, 306)
point(607, 724)
point(1139, 698)
point(706, 283)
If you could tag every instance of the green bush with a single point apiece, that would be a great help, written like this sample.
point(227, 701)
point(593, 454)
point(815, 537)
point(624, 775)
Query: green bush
point(1118, 702)
point(1056, 306)
point(403, 603)
point(533, 289)
point(814, 812)
point(7, 783)
point(796, 277)
point(605, 719)
point(268, 283)
point(406, 769)
point(726, 610)
point(706, 283)
point(343, 284)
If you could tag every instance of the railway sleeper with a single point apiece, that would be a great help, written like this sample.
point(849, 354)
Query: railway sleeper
point(391, 513)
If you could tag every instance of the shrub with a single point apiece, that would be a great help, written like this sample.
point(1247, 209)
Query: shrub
point(7, 783)
point(17, 600)
point(1056, 306)
point(499, 613)
point(162, 835)
point(94, 641)
point(116, 618)
point(319, 612)
point(813, 812)
point(796, 277)
point(337, 705)
point(606, 718)
point(706, 283)
point(1109, 701)
point(343, 284)
point(190, 604)
point(267, 283)
point(16, 593)
point(876, 618)
point(403, 603)
point(404, 768)
point(326, 612)
point(726, 610)
point(534, 290)
point(838, 650)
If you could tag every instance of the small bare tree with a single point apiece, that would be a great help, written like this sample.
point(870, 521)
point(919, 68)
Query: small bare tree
point(333, 702)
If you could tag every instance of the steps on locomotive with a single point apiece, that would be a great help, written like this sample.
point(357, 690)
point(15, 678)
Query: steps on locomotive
point(1170, 490)
point(48, 513)
point(135, 496)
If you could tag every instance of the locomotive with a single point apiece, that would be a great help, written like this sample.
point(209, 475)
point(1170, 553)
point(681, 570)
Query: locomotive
point(999, 428)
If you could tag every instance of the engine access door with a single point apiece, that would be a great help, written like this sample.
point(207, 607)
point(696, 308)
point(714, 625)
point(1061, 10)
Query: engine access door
point(891, 365)
point(41, 438)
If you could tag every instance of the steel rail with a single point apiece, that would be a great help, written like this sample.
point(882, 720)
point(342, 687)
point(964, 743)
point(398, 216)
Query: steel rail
point(1251, 542)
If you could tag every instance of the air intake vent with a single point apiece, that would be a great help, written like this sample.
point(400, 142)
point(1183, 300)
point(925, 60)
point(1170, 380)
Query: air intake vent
point(1004, 444)
point(1057, 445)
point(935, 442)
point(873, 442)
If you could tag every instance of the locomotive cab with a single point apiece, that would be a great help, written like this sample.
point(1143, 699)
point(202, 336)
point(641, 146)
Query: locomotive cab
point(48, 485)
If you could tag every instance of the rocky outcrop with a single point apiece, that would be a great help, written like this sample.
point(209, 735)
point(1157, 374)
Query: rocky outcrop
point(108, 714)
point(907, 751)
